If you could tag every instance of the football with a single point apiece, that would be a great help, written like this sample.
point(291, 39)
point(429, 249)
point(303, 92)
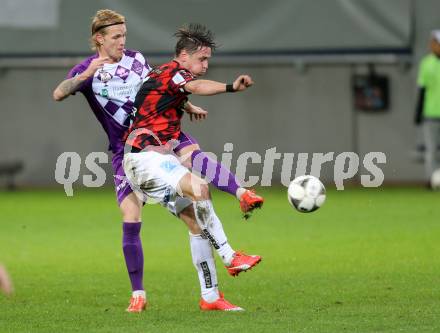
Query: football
point(306, 193)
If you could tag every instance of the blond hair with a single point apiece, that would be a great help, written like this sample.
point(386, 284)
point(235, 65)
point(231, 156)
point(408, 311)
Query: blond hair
point(102, 19)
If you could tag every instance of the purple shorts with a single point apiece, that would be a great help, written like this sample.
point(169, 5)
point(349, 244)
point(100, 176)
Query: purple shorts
point(122, 187)
point(185, 140)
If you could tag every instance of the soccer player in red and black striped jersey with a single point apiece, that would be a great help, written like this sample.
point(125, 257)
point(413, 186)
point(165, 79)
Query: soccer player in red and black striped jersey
point(159, 109)
point(154, 170)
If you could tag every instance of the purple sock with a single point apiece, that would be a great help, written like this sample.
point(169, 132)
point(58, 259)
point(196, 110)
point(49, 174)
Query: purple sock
point(215, 172)
point(134, 256)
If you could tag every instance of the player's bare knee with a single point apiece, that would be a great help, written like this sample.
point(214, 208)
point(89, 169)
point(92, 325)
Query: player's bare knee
point(200, 191)
point(187, 215)
point(194, 188)
point(133, 215)
point(200, 188)
point(131, 209)
point(131, 218)
point(193, 227)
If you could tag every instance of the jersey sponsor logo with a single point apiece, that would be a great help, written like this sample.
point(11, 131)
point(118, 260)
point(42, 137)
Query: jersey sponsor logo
point(127, 91)
point(104, 93)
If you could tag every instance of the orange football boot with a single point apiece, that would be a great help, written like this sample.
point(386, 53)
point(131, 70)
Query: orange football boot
point(249, 201)
point(220, 304)
point(137, 304)
point(242, 262)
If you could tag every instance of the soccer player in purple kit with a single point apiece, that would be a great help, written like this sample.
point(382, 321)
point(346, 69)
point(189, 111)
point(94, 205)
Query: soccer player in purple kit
point(109, 80)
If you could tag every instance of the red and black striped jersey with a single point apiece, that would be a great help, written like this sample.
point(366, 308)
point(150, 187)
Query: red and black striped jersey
point(159, 106)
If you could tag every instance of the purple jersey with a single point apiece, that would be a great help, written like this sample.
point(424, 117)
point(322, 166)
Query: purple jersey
point(111, 93)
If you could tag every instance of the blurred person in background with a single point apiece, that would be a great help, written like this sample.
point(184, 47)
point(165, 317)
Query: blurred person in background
point(5, 282)
point(428, 108)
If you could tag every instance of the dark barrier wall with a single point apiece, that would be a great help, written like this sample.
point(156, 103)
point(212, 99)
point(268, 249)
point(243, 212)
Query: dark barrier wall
point(62, 27)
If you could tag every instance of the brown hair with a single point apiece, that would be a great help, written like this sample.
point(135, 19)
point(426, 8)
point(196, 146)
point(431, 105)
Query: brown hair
point(103, 19)
point(192, 37)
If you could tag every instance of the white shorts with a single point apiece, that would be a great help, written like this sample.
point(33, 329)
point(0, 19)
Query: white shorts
point(155, 177)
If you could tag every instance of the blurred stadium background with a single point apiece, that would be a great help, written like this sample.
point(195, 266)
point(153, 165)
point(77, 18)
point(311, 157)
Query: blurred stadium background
point(302, 54)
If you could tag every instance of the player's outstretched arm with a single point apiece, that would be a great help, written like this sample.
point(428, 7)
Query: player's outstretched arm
point(69, 86)
point(208, 87)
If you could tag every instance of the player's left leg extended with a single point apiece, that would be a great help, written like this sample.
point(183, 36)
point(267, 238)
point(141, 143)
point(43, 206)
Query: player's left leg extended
point(157, 176)
point(211, 228)
point(217, 174)
point(161, 177)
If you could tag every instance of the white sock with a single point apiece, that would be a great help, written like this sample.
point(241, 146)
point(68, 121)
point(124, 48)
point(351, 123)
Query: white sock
point(204, 263)
point(240, 192)
point(225, 251)
point(212, 229)
point(137, 293)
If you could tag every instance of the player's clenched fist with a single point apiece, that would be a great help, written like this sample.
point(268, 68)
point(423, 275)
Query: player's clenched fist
point(242, 82)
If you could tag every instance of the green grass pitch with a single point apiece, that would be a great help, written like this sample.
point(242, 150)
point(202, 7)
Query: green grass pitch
point(368, 261)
